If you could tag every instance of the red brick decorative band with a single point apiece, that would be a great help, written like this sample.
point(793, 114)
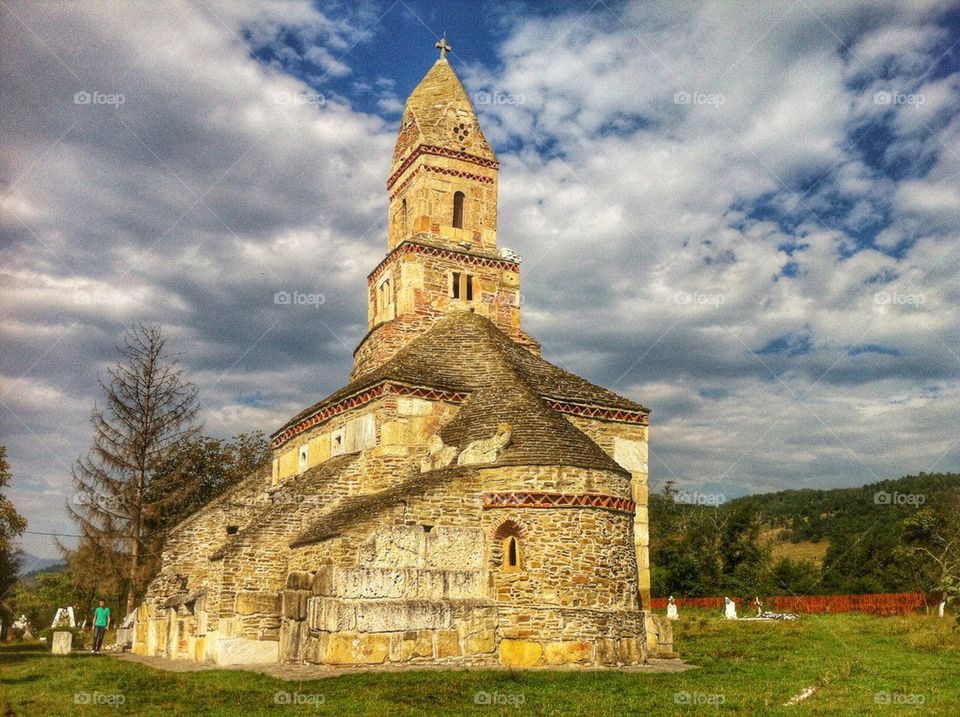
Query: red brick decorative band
point(359, 399)
point(535, 499)
point(440, 170)
point(472, 259)
point(620, 415)
point(440, 152)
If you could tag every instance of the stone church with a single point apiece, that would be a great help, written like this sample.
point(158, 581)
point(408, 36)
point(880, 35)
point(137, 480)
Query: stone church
point(460, 501)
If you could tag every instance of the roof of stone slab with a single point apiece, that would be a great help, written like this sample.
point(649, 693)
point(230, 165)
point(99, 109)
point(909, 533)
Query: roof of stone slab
point(310, 482)
point(539, 434)
point(350, 509)
point(461, 352)
point(437, 107)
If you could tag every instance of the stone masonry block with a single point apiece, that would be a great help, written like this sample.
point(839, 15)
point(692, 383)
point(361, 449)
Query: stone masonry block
point(256, 603)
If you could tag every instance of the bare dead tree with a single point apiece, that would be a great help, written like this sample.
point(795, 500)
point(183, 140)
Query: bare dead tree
point(150, 413)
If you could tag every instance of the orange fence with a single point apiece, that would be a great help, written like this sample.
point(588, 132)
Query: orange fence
point(875, 604)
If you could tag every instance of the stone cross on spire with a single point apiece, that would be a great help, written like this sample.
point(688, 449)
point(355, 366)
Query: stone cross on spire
point(443, 46)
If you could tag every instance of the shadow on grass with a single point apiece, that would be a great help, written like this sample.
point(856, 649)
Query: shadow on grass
point(15, 652)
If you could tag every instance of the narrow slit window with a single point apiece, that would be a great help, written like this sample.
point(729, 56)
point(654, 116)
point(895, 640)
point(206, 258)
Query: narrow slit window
point(458, 198)
point(455, 285)
point(511, 553)
point(469, 288)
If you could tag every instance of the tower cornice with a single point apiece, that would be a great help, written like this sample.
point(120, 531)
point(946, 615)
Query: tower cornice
point(472, 257)
point(426, 149)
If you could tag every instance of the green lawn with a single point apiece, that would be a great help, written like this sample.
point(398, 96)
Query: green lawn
point(745, 668)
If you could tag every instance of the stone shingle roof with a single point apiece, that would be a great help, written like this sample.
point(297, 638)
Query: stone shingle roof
point(466, 352)
point(284, 498)
point(351, 509)
point(441, 114)
point(461, 352)
point(539, 434)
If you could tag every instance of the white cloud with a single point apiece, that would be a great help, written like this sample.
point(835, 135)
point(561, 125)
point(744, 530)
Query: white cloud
point(666, 242)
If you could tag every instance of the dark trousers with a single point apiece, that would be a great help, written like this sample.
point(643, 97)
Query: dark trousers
point(98, 638)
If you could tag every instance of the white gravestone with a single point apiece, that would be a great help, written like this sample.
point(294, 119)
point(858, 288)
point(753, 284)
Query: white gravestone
point(62, 642)
point(729, 609)
point(672, 612)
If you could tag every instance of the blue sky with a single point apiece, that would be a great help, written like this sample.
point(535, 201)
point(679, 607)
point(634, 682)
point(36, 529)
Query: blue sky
point(743, 215)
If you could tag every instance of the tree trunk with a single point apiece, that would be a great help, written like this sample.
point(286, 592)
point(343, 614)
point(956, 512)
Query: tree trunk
point(135, 545)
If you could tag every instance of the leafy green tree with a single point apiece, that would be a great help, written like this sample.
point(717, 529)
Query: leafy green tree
point(190, 478)
point(931, 544)
point(12, 525)
point(40, 597)
point(703, 550)
point(198, 472)
point(793, 577)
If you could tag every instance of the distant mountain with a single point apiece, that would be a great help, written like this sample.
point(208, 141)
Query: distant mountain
point(816, 515)
point(31, 564)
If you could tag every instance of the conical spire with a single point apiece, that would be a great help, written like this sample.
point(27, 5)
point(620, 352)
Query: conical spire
point(439, 114)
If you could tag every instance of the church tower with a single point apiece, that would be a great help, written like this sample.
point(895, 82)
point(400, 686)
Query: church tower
point(442, 253)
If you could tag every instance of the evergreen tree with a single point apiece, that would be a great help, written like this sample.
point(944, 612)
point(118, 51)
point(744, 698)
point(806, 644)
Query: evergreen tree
point(150, 414)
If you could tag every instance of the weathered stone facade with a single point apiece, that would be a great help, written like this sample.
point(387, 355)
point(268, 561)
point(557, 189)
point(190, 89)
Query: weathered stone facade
point(460, 501)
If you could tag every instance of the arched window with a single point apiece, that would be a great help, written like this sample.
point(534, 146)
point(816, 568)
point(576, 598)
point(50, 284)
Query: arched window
point(458, 198)
point(508, 536)
point(384, 294)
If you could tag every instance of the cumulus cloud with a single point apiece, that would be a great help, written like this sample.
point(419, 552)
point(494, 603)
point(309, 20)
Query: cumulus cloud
point(742, 215)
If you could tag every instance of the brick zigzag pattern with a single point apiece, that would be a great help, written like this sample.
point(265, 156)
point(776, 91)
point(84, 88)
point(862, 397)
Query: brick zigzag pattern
point(440, 170)
point(440, 152)
point(362, 398)
point(537, 499)
point(472, 259)
point(456, 397)
point(619, 415)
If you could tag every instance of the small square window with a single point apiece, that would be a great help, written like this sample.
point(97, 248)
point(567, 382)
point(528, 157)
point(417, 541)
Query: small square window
point(462, 286)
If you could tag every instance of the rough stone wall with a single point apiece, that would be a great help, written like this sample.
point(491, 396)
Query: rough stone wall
point(357, 429)
point(421, 294)
point(627, 444)
point(423, 580)
point(425, 190)
point(185, 559)
point(181, 605)
point(398, 423)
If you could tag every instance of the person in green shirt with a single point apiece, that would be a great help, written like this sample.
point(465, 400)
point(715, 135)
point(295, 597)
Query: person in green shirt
point(101, 623)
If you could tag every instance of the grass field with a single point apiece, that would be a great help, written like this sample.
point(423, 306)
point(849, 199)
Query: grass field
point(860, 665)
